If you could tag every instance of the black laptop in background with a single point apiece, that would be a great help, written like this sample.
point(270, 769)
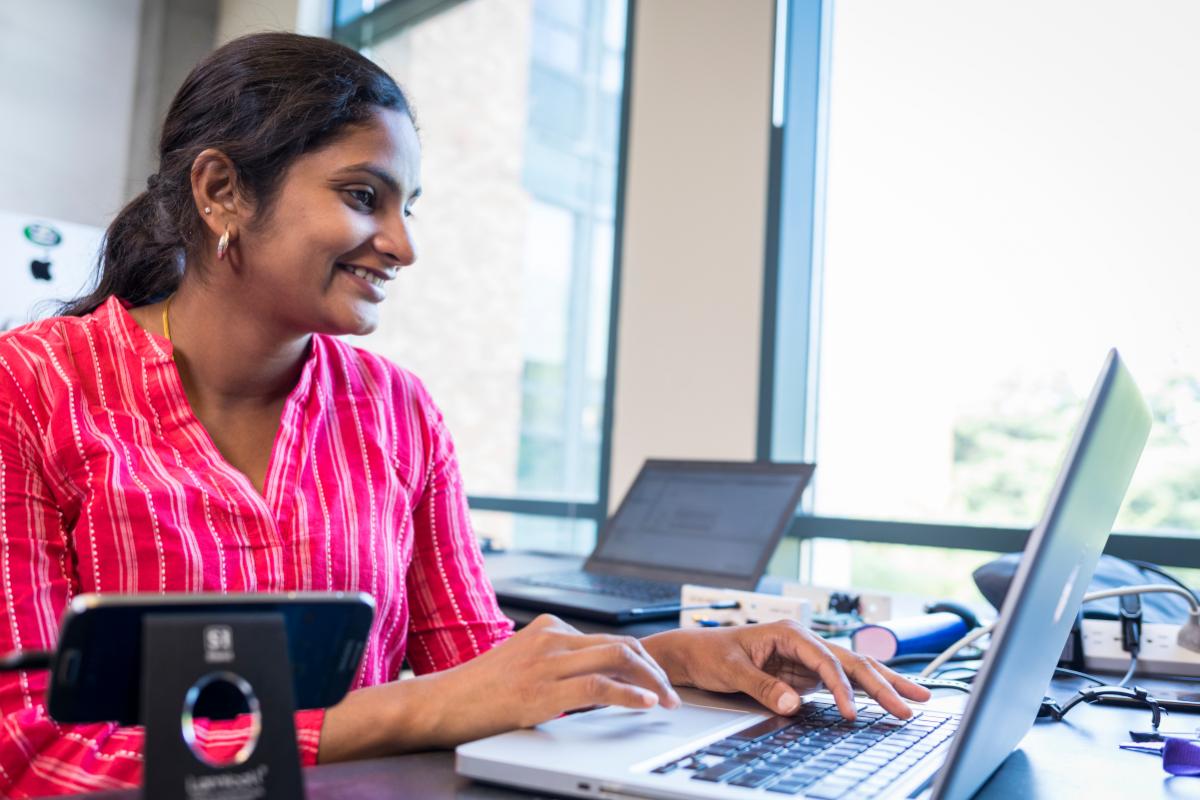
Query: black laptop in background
point(714, 523)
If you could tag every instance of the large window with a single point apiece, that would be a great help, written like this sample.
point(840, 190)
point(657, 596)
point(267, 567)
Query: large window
point(1008, 190)
point(506, 314)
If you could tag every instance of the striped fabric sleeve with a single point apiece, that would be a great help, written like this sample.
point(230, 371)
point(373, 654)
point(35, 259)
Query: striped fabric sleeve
point(38, 756)
point(454, 613)
point(220, 741)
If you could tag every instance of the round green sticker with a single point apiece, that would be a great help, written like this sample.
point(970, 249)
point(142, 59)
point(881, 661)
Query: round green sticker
point(42, 234)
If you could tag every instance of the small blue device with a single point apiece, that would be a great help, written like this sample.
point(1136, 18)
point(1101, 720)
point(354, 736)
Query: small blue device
point(927, 633)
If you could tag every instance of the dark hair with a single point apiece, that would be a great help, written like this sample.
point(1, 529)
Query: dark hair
point(263, 100)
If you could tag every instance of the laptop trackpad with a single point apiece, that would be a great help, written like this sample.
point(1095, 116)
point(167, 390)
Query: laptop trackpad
point(623, 724)
point(610, 741)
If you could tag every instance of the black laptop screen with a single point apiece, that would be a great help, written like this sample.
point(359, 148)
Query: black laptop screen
point(712, 520)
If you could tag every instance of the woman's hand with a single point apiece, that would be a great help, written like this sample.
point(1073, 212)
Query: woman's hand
point(542, 671)
point(775, 663)
point(545, 669)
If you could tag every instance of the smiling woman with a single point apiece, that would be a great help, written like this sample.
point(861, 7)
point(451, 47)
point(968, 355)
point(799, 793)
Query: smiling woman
point(194, 425)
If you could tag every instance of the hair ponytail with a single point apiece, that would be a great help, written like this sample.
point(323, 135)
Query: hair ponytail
point(263, 100)
point(142, 259)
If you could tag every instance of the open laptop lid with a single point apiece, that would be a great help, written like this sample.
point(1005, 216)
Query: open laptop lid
point(1054, 573)
point(707, 522)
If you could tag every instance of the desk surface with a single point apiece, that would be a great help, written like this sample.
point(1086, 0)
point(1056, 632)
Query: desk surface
point(1074, 759)
point(1078, 759)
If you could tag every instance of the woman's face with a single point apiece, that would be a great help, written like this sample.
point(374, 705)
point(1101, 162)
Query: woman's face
point(339, 231)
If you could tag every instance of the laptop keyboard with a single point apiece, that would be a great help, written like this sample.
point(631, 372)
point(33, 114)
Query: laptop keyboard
point(818, 754)
point(632, 588)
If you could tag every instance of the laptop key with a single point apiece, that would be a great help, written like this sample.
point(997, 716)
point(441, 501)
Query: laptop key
point(752, 779)
point(715, 750)
point(761, 730)
point(872, 760)
point(720, 772)
point(787, 787)
point(771, 769)
point(807, 775)
point(851, 774)
point(828, 790)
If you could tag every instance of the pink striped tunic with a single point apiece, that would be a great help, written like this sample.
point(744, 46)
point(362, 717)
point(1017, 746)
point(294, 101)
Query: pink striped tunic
point(111, 484)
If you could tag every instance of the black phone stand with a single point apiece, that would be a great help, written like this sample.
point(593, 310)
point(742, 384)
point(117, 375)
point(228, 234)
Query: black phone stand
point(182, 654)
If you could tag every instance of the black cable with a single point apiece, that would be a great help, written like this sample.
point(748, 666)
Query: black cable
point(1095, 694)
point(719, 605)
point(925, 658)
point(1074, 673)
point(27, 659)
point(1077, 674)
point(1130, 610)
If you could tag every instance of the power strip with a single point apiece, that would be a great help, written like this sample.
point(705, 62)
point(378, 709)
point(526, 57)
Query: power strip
point(871, 607)
point(752, 607)
point(1160, 655)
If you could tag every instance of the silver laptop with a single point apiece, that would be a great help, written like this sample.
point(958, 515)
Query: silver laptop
point(716, 746)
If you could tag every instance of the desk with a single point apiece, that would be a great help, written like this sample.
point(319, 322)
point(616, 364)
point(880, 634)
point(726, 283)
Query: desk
point(1056, 761)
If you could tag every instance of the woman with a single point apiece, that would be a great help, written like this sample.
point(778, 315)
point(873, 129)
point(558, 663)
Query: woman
point(192, 425)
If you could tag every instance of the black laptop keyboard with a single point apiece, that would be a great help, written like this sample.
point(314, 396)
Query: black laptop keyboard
point(819, 754)
point(638, 589)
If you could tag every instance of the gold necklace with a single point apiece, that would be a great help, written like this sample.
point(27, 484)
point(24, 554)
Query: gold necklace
point(166, 324)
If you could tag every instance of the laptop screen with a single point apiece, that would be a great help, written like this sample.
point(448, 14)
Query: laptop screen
point(703, 517)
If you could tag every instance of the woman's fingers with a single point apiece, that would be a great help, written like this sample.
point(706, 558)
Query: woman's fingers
point(635, 644)
point(594, 689)
point(618, 659)
point(572, 655)
point(767, 689)
point(866, 673)
point(795, 644)
point(882, 684)
point(817, 657)
point(903, 685)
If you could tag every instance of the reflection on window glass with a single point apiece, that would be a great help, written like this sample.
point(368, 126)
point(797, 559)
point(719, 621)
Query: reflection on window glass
point(993, 227)
point(347, 11)
point(505, 314)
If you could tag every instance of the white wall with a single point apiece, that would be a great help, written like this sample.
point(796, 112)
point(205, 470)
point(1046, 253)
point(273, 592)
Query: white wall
point(87, 83)
point(239, 17)
point(67, 76)
point(175, 35)
point(692, 256)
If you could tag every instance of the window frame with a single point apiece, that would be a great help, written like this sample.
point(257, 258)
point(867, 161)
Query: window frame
point(792, 307)
point(362, 32)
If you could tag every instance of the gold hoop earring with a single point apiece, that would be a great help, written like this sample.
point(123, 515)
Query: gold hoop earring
point(223, 244)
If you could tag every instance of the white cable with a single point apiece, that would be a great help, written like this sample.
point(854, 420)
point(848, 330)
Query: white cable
point(953, 649)
point(1149, 588)
point(1132, 669)
point(1104, 594)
